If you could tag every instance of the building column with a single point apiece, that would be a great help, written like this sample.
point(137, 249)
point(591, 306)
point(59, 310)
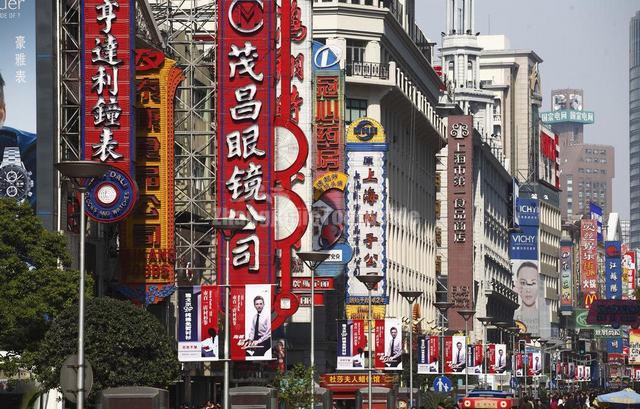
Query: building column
point(340, 43)
point(372, 52)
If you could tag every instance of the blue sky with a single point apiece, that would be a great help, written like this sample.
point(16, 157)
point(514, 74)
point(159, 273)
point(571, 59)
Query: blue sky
point(584, 44)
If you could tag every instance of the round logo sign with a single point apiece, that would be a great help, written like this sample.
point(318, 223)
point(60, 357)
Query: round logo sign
point(111, 198)
point(246, 16)
point(326, 56)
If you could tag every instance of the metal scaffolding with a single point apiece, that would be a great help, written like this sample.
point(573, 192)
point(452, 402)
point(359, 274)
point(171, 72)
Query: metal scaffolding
point(188, 29)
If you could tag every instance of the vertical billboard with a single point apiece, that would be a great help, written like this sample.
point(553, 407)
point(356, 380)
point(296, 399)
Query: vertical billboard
point(388, 344)
point(549, 168)
point(612, 270)
point(566, 276)
point(107, 93)
point(366, 206)
point(535, 364)
point(246, 102)
point(523, 252)
point(460, 216)
point(474, 359)
point(455, 354)
point(147, 250)
point(428, 354)
point(18, 100)
point(198, 323)
point(589, 260)
point(628, 264)
point(596, 214)
point(497, 358)
point(634, 347)
point(352, 342)
point(251, 322)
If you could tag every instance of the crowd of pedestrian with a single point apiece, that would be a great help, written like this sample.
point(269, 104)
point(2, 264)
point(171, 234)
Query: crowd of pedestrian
point(567, 400)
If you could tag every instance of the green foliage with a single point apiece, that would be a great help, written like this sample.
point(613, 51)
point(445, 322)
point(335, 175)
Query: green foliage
point(33, 290)
point(124, 344)
point(294, 387)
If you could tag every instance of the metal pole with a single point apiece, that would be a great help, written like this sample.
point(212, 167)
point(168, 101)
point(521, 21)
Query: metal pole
point(466, 370)
point(410, 357)
point(484, 353)
point(526, 361)
point(80, 380)
point(313, 347)
point(370, 346)
point(226, 323)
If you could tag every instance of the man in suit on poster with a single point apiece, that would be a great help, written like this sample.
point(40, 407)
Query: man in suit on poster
point(258, 341)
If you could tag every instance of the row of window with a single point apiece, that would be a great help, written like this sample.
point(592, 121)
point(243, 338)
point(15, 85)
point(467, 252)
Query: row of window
point(596, 151)
point(595, 160)
point(594, 171)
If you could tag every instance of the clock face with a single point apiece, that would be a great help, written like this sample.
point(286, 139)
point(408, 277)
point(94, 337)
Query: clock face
point(14, 182)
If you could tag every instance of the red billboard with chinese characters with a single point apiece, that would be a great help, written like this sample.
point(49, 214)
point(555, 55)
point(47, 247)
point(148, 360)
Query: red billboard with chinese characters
point(246, 110)
point(460, 215)
point(589, 260)
point(107, 69)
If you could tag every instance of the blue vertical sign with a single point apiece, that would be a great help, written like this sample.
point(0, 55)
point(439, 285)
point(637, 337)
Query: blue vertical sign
point(596, 213)
point(612, 270)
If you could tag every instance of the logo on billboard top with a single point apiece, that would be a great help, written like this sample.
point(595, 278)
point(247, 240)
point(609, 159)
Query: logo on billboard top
point(110, 198)
point(366, 130)
point(527, 210)
point(326, 56)
point(246, 16)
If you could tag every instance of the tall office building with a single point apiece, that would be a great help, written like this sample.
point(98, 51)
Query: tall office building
point(587, 170)
point(634, 127)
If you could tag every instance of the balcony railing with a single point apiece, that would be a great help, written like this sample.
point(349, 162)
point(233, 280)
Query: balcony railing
point(368, 70)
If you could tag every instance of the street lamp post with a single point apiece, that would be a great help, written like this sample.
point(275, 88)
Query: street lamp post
point(370, 281)
point(501, 326)
point(312, 259)
point(513, 331)
point(466, 314)
point(484, 321)
point(525, 357)
point(442, 307)
point(81, 173)
point(411, 297)
point(228, 227)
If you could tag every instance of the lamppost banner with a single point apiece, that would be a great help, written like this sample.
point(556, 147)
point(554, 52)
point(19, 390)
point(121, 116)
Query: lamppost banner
point(198, 323)
point(352, 342)
point(455, 349)
point(388, 344)
point(428, 354)
point(251, 322)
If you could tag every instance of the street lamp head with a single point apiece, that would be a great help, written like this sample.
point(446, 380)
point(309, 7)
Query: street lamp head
point(485, 320)
point(82, 172)
point(312, 259)
point(443, 306)
point(466, 313)
point(411, 296)
point(369, 280)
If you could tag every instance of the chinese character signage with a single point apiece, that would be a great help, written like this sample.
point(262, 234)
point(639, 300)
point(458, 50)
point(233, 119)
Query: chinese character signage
point(460, 215)
point(588, 260)
point(612, 270)
point(366, 197)
point(428, 354)
point(107, 98)
point(388, 344)
point(198, 323)
point(251, 322)
point(567, 115)
point(629, 275)
point(566, 276)
point(147, 254)
point(352, 342)
point(18, 100)
point(246, 102)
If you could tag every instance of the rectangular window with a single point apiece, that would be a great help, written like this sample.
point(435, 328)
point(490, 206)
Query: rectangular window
point(354, 109)
point(355, 51)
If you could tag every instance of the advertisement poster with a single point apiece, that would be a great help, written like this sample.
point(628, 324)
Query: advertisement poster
point(519, 364)
point(198, 339)
point(18, 102)
point(580, 375)
point(535, 364)
point(251, 322)
point(634, 347)
point(571, 371)
point(566, 276)
point(629, 275)
point(352, 342)
point(588, 260)
point(455, 354)
point(388, 344)
point(474, 359)
point(497, 358)
point(428, 354)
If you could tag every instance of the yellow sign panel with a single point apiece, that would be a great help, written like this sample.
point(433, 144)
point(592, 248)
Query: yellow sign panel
point(361, 312)
point(147, 251)
point(328, 181)
point(366, 130)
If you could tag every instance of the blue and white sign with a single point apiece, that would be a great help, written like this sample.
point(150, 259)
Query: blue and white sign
point(325, 57)
point(442, 384)
point(527, 211)
point(523, 245)
point(339, 256)
point(596, 213)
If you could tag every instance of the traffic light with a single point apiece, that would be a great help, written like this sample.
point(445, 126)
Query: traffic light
point(582, 347)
